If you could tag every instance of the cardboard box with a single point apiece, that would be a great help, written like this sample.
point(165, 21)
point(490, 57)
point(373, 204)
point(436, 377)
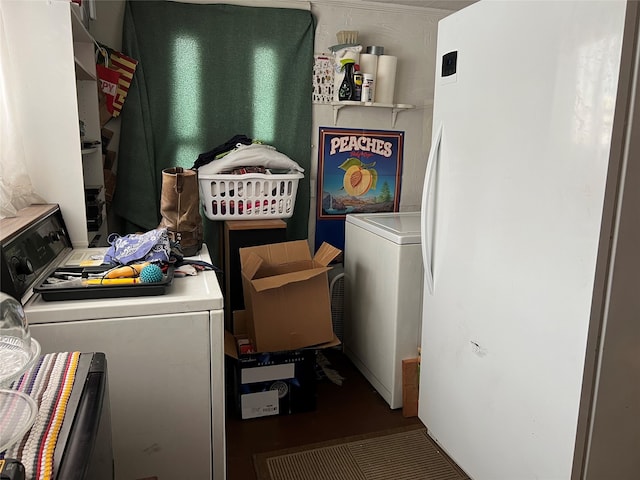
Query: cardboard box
point(278, 383)
point(286, 294)
point(269, 383)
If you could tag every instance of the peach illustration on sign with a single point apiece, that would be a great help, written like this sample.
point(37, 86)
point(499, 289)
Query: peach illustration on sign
point(359, 178)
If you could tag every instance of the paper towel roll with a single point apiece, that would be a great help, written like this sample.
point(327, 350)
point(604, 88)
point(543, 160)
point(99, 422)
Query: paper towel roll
point(368, 63)
point(386, 78)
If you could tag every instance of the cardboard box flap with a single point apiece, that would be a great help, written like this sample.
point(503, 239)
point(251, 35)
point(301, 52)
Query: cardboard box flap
point(239, 322)
point(287, 252)
point(326, 254)
point(277, 281)
point(251, 263)
point(316, 346)
point(240, 329)
point(276, 253)
point(230, 348)
point(273, 270)
point(334, 342)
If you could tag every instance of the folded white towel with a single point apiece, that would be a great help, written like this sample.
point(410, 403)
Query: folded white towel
point(254, 155)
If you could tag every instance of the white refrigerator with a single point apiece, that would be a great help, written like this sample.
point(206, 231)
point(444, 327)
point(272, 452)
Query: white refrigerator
point(530, 363)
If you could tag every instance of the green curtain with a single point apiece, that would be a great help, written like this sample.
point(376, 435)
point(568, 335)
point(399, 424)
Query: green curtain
point(206, 73)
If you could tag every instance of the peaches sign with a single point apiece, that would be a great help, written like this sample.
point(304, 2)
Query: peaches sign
point(359, 171)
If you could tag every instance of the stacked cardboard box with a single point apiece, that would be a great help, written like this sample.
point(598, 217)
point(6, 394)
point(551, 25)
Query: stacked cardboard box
point(287, 318)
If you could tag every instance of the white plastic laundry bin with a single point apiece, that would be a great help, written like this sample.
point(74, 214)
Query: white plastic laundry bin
point(248, 196)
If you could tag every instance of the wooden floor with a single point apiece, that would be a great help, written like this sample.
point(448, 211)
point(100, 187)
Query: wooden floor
point(351, 409)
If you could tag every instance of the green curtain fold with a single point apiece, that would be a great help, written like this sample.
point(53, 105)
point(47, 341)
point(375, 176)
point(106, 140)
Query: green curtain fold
point(207, 72)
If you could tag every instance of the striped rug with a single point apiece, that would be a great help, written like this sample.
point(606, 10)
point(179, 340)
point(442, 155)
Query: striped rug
point(400, 454)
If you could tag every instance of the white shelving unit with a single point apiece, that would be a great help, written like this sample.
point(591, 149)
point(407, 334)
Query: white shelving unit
point(53, 62)
point(88, 112)
point(394, 107)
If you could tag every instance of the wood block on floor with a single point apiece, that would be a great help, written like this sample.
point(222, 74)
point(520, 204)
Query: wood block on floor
point(410, 382)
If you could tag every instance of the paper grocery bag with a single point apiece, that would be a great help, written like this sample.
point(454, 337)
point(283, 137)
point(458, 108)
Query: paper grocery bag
point(125, 67)
point(108, 85)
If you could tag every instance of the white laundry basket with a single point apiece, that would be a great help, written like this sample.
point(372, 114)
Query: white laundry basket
point(248, 196)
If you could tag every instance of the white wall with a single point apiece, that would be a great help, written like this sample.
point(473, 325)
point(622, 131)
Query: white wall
point(406, 32)
point(409, 34)
point(107, 29)
point(46, 104)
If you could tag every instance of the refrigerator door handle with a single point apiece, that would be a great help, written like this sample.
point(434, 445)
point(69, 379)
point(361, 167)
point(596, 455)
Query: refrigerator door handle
point(424, 217)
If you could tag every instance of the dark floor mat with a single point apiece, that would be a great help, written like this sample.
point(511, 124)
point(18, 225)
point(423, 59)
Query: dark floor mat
point(401, 454)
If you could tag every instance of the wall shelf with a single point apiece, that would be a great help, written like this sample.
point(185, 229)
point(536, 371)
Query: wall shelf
point(86, 151)
point(394, 107)
point(84, 71)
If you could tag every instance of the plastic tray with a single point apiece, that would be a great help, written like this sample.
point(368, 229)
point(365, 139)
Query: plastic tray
point(75, 290)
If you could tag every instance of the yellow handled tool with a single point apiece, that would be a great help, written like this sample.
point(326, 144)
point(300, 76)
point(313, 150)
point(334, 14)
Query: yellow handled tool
point(112, 281)
point(126, 271)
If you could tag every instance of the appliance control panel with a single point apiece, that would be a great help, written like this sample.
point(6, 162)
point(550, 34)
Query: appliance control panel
point(449, 63)
point(31, 252)
point(449, 71)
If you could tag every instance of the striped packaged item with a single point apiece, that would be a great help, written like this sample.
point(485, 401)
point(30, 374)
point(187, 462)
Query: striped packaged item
point(126, 66)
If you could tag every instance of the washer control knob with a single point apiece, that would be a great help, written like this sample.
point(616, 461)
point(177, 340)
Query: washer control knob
point(22, 267)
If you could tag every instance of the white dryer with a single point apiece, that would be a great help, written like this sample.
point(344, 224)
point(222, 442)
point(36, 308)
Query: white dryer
point(383, 297)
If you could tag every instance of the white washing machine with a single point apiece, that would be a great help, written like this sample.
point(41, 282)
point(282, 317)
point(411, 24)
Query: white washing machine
point(164, 352)
point(383, 297)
